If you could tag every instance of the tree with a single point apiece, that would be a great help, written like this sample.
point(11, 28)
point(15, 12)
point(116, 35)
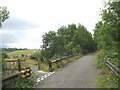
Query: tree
point(66, 41)
point(52, 44)
point(107, 31)
point(4, 14)
point(83, 38)
point(106, 36)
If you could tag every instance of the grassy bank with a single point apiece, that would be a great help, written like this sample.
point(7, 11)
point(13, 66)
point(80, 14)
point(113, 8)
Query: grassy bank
point(106, 78)
point(55, 66)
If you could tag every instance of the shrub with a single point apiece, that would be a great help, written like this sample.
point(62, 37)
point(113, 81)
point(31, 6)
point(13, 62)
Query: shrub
point(101, 58)
point(4, 55)
point(28, 82)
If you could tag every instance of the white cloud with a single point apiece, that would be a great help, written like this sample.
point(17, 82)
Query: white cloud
point(50, 15)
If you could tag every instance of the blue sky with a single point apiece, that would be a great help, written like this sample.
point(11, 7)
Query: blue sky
point(30, 19)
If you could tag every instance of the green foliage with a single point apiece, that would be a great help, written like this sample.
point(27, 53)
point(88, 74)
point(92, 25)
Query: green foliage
point(4, 14)
point(44, 65)
point(101, 59)
point(62, 63)
point(3, 64)
point(107, 41)
point(107, 31)
point(67, 41)
point(107, 79)
point(23, 82)
point(36, 55)
point(4, 55)
point(19, 53)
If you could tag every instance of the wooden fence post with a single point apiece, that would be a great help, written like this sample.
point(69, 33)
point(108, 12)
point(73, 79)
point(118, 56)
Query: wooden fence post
point(50, 66)
point(19, 65)
point(39, 62)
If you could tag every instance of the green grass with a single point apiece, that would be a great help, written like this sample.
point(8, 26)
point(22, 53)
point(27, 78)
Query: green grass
point(106, 77)
point(26, 63)
point(6, 52)
point(62, 63)
point(44, 66)
point(18, 53)
point(55, 66)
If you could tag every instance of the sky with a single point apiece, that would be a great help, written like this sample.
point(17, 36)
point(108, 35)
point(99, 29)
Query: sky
point(30, 19)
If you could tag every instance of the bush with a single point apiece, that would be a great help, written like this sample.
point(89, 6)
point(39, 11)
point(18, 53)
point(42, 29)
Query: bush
point(28, 82)
point(3, 64)
point(4, 55)
point(101, 58)
point(106, 78)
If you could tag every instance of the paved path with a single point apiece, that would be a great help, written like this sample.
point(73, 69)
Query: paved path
point(78, 74)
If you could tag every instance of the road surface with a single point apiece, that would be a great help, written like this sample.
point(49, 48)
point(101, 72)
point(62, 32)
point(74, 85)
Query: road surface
point(80, 73)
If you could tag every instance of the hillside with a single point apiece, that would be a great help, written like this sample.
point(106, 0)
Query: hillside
point(23, 53)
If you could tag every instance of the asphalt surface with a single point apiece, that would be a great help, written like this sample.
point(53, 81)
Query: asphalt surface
point(80, 73)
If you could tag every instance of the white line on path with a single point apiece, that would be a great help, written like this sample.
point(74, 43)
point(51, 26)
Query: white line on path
point(41, 72)
point(44, 76)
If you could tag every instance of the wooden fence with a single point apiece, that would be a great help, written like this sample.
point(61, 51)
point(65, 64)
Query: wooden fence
point(114, 68)
point(12, 67)
point(12, 72)
point(58, 60)
point(14, 64)
point(10, 79)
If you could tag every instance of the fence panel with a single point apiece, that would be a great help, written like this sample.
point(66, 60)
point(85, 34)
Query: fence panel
point(12, 66)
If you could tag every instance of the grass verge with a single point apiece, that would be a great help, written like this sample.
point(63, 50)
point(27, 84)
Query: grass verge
point(106, 78)
point(55, 66)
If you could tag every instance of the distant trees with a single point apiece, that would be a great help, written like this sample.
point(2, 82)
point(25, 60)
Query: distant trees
point(66, 41)
point(4, 14)
point(13, 49)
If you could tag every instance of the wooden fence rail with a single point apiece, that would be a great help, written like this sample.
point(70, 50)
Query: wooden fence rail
point(58, 60)
point(14, 64)
point(114, 68)
point(10, 79)
point(12, 71)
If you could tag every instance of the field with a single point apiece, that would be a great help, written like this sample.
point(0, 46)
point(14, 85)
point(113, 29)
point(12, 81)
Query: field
point(23, 53)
